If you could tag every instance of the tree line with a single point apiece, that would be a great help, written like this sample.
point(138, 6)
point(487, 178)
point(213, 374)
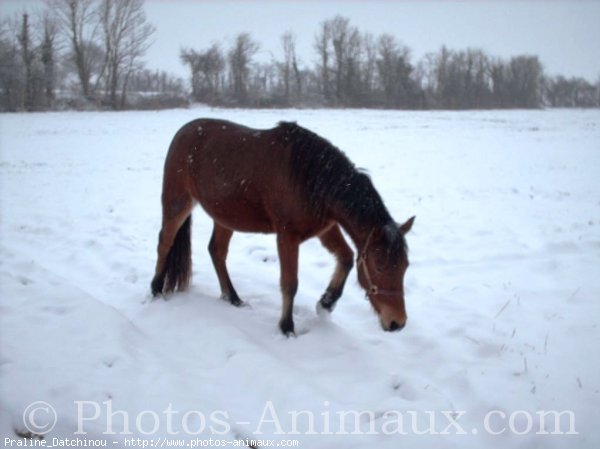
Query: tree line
point(88, 53)
point(356, 69)
point(78, 54)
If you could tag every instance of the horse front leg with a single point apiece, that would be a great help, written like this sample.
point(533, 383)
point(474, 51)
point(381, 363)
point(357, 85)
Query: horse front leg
point(335, 243)
point(287, 247)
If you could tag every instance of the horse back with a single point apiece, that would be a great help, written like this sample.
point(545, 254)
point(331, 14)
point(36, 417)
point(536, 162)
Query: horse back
point(239, 175)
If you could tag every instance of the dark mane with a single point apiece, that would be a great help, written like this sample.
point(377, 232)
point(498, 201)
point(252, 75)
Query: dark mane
point(326, 176)
point(395, 242)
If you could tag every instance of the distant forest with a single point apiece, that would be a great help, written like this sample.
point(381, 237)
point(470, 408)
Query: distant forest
point(88, 54)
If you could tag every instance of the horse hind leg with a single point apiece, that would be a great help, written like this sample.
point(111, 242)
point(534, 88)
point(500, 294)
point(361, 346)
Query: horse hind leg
point(218, 248)
point(174, 262)
point(335, 243)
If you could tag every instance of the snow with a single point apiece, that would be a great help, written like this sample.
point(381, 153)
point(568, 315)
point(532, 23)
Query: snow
point(502, 292)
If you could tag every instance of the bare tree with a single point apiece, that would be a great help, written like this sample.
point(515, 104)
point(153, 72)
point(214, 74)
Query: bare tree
point(353, 88)
point(207, 70)
point(478, 91)
point(322, 44)
point(48, 57)
point(126, 37)
point(22, 70)
point(10, 68)
point(78, 18)
point(517, 83)
point(395, 70)
point(240, 57)
point(340, 35)
point(262, 82)
point(340, 48)
point(289, 67)
point(27, 56)
point(370, 64)
point(525, 81)
point(465, 79)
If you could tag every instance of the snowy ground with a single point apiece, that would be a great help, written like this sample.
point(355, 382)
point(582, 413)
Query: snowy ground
point(503, 290)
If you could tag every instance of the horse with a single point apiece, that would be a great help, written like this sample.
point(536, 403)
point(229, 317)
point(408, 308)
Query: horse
point(289, 181)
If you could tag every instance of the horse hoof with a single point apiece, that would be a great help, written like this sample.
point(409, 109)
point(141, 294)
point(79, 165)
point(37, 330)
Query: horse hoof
point(157, 294)
point(157, 287)
point(321, 310)
point(233, 300)
point(287, 328)
point(324, 309)
point(290, 334)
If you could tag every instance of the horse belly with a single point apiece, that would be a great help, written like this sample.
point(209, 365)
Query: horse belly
point(238, 215)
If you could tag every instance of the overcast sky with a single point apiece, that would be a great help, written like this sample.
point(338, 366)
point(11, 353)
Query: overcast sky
point(564, 34)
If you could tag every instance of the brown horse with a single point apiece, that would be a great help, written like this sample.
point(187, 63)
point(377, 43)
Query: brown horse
point(289, 181)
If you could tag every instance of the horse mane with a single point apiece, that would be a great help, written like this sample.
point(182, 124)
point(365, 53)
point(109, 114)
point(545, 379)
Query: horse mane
point(325, 176)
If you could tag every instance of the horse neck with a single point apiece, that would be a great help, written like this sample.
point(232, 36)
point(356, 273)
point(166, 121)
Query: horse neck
point(359, 228)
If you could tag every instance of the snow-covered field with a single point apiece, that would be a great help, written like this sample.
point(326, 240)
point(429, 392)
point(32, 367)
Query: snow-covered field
point(503, 292)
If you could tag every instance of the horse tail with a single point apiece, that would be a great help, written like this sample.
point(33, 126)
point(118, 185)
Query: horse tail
point(178, 268)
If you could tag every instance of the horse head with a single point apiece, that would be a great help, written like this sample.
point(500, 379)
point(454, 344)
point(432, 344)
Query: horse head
point(381, 266)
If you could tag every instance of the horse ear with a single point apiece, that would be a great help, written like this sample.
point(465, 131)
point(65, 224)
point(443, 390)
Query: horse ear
point(406, 227)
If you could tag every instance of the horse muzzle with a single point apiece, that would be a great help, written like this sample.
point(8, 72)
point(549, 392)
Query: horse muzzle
point(393, 326)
